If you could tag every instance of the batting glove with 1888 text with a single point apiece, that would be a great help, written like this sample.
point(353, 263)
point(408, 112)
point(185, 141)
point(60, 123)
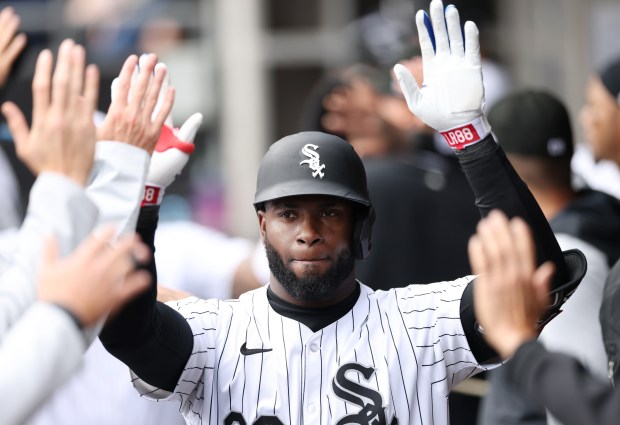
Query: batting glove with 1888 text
point(452, 96)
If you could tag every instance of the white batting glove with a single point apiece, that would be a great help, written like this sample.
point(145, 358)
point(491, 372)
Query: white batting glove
point(172, 150)
point(452, 96)
point(171, 153)
point(173, 147)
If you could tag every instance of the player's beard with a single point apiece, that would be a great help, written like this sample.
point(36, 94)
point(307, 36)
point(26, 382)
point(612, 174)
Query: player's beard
point(312, 286)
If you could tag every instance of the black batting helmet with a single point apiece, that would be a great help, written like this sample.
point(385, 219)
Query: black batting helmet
point(314, 163)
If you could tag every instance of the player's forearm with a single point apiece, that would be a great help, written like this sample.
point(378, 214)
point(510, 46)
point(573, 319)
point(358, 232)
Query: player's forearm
point(152, 339)
point(553, 378)
point(135, 318)
point(496, 185)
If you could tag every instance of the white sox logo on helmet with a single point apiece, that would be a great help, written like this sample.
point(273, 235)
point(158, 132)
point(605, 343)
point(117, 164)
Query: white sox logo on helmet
point(313, 160)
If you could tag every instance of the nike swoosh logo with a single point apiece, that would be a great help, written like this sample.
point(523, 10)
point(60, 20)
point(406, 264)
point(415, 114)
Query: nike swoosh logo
point(245, 351)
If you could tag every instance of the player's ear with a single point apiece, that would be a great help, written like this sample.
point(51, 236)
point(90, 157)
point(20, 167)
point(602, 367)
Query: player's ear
point(261, 223)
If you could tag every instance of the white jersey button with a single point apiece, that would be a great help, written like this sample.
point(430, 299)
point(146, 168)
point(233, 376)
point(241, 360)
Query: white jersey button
point(312, 408)
point(314, 348)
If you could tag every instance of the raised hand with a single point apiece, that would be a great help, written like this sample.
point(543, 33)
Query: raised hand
point(96, 278)
point(172, 150)
point(11, 43)
point(452, 95)
point(62, 137)
point(510, 293)
point(135, 93)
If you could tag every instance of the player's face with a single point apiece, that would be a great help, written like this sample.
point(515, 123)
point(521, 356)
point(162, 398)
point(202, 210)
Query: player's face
point(599, 118)
point(308, 241)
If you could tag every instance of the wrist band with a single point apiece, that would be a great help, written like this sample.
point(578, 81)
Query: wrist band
point(467, 134)
point(153, 195)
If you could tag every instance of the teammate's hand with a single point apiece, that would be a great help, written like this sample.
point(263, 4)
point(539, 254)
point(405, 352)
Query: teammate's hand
point(131, 117)
point(11, 45)
point(95, 278)
point(452, 96)
point(62, 137)
point(510, 293)
point(172, 150)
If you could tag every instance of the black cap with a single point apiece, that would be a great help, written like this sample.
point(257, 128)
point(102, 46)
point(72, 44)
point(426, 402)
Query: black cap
point(532, 123)
point(610, 76)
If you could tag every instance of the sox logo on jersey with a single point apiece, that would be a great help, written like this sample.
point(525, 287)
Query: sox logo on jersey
point(392, 358)
point(370, 413)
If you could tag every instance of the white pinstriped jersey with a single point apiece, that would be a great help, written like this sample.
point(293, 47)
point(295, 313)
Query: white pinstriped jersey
point(392, 359)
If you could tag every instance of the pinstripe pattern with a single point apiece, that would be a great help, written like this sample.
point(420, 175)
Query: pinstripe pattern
point(404, 347)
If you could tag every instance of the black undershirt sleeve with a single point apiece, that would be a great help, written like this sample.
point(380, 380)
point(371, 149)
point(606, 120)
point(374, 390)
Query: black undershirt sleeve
point(154, 340)
point(496, 185)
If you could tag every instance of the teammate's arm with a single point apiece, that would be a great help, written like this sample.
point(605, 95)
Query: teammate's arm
point(451, 101)
point(46, 344)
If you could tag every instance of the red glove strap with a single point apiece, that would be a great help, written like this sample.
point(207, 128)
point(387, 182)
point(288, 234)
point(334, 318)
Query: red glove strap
point(168, 140)
point(153, 195)
point(460, 137)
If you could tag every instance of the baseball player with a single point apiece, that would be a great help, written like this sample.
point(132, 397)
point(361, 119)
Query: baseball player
point(316, 346)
